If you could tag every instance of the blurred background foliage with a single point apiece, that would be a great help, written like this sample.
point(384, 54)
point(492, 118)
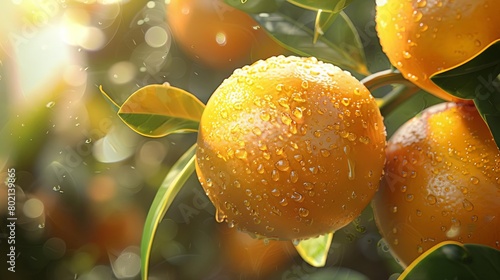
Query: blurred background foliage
point(85, 181)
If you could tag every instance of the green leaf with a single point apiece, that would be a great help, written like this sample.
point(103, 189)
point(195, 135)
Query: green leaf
point(294, 27)
point(315, 250)
point(333, 6)
point(170, 187)
point(255, 6)
point(478, 80)
point(454, 260)
point(323, 21)
point(159, 110)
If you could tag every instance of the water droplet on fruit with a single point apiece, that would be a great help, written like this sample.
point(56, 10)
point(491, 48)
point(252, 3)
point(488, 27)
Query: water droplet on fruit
point(219, 215)
point(283, 202)
point(406, 55)
point(297, 197)
point(241, 154)
point(297, 112)
point(350, 163)
point(325, 153)
point(421, 3)
point(269, 229)
point(305, 84)
point(275, 175)
point(394, 209)
point(50, 104)
point(256, 220)
point(474, 180)
point(279, 87)
point(294, 177)
point(420, 250)
point(303, 212)
point(417, 16)
point(345, 101)
point(265, 116)
point(467, 205)
point(409, 197)
point(295, 242)
point(282, 165)
point(285, 118)
point(431, 199)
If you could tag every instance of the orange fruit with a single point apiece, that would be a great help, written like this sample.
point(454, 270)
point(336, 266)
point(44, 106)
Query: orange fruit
point(217, 35)
point(422, 38)
point(441, 182)
point(283, 147)
point(254, 258)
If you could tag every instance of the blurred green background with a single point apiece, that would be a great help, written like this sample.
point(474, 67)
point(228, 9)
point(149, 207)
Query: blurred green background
point(84, 181)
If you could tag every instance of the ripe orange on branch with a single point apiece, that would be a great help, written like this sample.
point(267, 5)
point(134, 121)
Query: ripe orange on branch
point(441, 182)
point(422, 38)
point(218, 35)
point(290, 148)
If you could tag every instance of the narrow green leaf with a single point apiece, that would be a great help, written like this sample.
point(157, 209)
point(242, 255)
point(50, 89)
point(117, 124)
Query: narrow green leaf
point(315, 250)
point(294, 27)
point(454, 260)
point(333, 6)
point(159, 110)
point(323, 21)
point(110, 100)
point(478, 80)
point(170, 187)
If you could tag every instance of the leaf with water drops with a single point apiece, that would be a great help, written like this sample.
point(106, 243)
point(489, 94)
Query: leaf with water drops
point(315, 250)
point(294, 28)
point(160, 110)
point(169, 188)
point(454, 260)
point(333, 6)
point(478, 80)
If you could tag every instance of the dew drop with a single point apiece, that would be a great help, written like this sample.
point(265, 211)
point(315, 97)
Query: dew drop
point(236, 184)
point(325, 153)
point(409, 197)
point(241, 154)
point(303, 212)
point(269, 228)
point(282, 165)
point(219, 215)
point(394, 209)
point(42, 225)
point(279, 87)
point(467, 205)
point(420, 250)
point(421, 3)
point(297, 112)
point(283, 202)
point(265, 116)
point(56, 188)
point(431, 199)
point(474, 218)
point(305, 84)
point(474, 180)
point(350, 163)
point(260, 169)
point(275, 175)
point(50, 104)
point(296, 242)
point(294, 177)
point(297, 197)
point(285, 118)
point(406, 55)
point(275, 192)
point(345, 101)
